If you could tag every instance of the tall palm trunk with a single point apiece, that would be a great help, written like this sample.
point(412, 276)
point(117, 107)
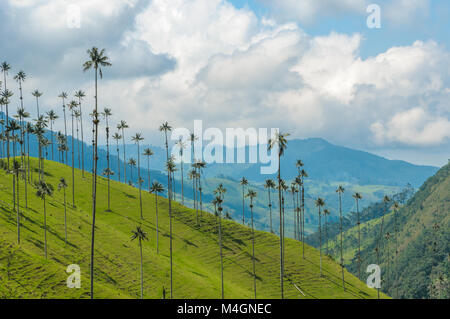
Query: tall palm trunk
point(379, 241)
point(82, 137)
point(243, 205)
point(182, 182)
point(253, 248)
point(359, 239)
point(73, 163)
point(270, 211)
point(320, 240)
point(281, 229)
point(139, 180)
point(293, 207)
point(157, 224)
point(107, 161)
point(303, 221)
point(45, 229)
point(220, 249)
point(118, 160)
point(170, 217)
point(124, 157)
point(142, 270)
point(18, 208)
point(65, 217)
point(65, 127)
point(51, 135)
point(94, 189)
point(341, 231)
point(326, 235)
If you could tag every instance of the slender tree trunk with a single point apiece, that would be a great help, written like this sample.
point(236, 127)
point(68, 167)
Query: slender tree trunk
point(170, 219)
point(359, 240)
point(270, 212)
point(220, 247)
point(342, 254)
point(82, 138)
point(243, 205)
point(65, 216)
point(148, 173)
point(18, 210)
point(118, 160)
point(45, 229)
point(142, 270)
point(303, 220)
point(73, 165)
point(253, 248)
point(320, 240)
point(281, 229)
point(65, 127)
point(94, 192)
point(378, 244)
point(157, 227)
point(124, 157)
point(107, 161)
point(139, 180)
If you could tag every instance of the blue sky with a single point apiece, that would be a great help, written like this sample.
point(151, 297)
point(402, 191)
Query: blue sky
point(312, 68)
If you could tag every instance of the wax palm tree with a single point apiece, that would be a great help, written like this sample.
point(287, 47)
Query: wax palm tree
point(396, 207)
point(200, 165)
point(97, 60)
point(80, 95)
point(340, 190)
point(77, 114)
point(386, 201)
point(326, 213)
point(220, 191)
point(117, 137)
point(387, 237)
point(20, 78)
point(45, 143)
point(37, 95)
point(148, 152)
point(122, 126)
point(303, 175)
point(63, 96)
point(156, 189)
point(106, 114)
point(293, 190)
point(72, 107)
point(181, 145)
point(192, 139)
point(319, 204)
point(192, 175)
point(17, 169)
point(269, 185)
point(171, 169)
point(137, 138)
point(165, 127)
point(29, 129)
point(42, 191)
point(252, 194)
point(357, 196)
point(284, 188)
point(141, 235)
point(243, 182)
point(22, 115)
point(63, 185)
point(132, 163)
point(6, 95)
point(279, 143)
point(51, 118)
point(217, 202)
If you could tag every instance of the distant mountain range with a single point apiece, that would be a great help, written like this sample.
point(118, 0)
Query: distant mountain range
point(323, 161)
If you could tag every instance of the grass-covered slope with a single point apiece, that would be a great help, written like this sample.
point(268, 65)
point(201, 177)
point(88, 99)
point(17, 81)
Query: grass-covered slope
point(24, 272)
point(423, 243)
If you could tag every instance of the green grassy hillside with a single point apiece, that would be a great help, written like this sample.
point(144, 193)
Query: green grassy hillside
point(423, 243)
point(24, 272)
